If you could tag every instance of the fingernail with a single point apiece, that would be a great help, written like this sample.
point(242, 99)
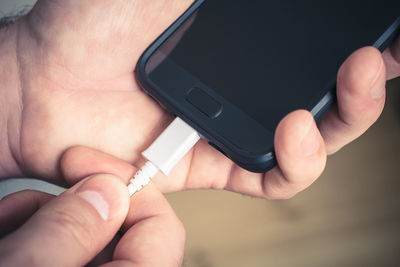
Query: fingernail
point(378, 84)
point(96, 200)
point(310, 143)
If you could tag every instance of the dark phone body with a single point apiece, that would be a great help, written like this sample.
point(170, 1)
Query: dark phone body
point(188, 67)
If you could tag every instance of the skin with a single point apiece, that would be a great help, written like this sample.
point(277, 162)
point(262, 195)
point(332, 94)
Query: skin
point(68, 231)
point(75, 62)
point(68, 80)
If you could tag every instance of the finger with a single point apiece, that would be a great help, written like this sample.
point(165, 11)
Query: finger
point(106, 254)
point(360, 99)
point(72, 228)
point(151, 226)
point(300, 153)
point(154, 235)
point(80, 162)
point(301, 157)
point(391, 57)
point(16, 208)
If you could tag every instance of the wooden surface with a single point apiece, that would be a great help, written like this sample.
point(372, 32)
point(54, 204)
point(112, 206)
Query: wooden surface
point(349, 217)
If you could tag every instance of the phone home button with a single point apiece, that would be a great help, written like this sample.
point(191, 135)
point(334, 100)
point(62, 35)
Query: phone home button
point(204, 102)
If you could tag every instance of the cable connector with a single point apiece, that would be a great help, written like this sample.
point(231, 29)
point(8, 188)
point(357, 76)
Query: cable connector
point(165, 152)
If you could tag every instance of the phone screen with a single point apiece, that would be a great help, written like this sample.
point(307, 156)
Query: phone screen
point(271, 57)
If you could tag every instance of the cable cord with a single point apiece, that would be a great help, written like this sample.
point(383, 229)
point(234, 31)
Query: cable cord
point(165, 152)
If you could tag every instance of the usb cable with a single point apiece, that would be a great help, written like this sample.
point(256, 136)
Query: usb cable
point(165, 152)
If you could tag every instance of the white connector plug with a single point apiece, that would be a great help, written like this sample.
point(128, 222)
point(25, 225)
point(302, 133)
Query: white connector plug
point(166, 151)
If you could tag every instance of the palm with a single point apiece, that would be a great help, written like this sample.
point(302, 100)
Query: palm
point(77, 61)
point(84, 92)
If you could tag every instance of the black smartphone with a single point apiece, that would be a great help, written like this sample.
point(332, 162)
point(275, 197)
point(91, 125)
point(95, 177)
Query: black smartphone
point(233, 69)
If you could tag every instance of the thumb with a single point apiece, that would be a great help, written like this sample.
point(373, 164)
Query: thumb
point(71, 229)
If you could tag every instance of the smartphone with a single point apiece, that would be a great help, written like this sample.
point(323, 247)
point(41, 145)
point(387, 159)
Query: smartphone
point(233, 69)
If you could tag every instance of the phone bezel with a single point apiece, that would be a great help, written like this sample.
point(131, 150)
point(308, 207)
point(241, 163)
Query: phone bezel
point(255, 162)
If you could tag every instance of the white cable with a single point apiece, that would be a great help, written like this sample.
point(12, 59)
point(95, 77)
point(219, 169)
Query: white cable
point(165, 152)
point(142, 178)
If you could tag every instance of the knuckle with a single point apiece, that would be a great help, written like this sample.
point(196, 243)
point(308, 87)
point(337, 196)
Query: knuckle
point(72, 226)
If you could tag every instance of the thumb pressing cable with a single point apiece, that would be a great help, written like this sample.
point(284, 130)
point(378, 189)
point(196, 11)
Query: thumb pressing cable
point(166, 151)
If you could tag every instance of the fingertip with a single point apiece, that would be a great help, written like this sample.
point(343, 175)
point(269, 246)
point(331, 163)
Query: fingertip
point(287, 131)
point(362, 67)
point(297, 135)
point(80, 162)
point(360, 98)
point(300, 149)
point(72, 161)
point(362, 76)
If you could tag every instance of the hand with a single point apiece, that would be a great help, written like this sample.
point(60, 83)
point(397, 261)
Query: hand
point(70, 230)
point(76, 61)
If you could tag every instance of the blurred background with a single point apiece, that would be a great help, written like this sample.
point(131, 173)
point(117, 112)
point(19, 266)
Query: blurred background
point(349, 217)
